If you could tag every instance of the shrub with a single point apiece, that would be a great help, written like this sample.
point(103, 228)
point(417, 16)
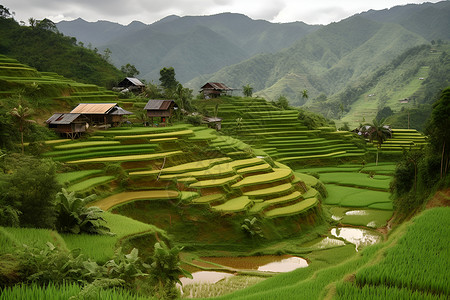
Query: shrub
point(75, 217)
point(31, 189)
point(195, 120)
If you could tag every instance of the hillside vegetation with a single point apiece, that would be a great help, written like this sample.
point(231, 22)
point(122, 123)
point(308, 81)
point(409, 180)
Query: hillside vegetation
point(43, 48)
point(209, 42)
point(325, 61)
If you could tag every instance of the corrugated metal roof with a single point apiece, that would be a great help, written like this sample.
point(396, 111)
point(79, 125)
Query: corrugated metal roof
point(120, 111)
point(216, 86)
point(158, 104)
point(135, 81)
point(60, 118)
point(93, 108)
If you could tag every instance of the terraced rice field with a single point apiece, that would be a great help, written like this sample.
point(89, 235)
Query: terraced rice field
point(125, 197)
point(357, 194)
point(281, 134)
point(402, 139)
point(52, 84)
point(176, 175)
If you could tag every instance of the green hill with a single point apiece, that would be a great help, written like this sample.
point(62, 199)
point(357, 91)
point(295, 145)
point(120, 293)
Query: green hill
point(193, 45)
point(408, 84)
point(325, 61)
point(47, 50)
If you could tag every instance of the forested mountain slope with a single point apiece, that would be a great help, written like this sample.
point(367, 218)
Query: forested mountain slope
point(325, 61)
point(41, 47)
point(193, 45)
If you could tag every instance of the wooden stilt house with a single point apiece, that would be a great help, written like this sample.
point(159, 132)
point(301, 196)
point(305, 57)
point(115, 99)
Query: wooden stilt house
point(214, 90)
point(160, 112)
point(68, 124)
point(106, 114)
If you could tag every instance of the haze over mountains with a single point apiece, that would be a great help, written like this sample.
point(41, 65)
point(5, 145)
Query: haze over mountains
point(275, 59)
point(194, 46)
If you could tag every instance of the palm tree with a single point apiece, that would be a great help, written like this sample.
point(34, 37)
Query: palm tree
point(22, 115)
point(247, 90)
point(305, 94)
point(377, 133)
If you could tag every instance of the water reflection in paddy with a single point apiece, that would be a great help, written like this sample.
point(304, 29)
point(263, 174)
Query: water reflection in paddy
point(284, 265)
point(267, 263)
point(205, 277)
point(357, 236)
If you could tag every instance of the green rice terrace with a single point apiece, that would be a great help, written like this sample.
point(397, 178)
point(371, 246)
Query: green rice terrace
point(63, 92)
point(284, 136)
point(267, 208)
point(198, 188)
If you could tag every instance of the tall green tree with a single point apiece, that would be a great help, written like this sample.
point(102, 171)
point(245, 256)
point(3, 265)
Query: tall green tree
point(30, 187)
point(22, 117)
point(184, 96)
point(4, 12)
point(377, 133)
point(167, 78)
point(129, 70)
point(282, 102)
point(438, 129)
point(247, 90)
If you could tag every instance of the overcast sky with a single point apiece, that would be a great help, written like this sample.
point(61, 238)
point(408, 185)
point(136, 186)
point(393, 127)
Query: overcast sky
point(149, 11)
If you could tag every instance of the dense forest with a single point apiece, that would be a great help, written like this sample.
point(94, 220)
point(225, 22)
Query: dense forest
point(41, 46)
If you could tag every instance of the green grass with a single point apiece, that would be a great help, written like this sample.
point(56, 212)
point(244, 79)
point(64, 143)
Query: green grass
point(125, 197)
point(140, 130)
point(101, 247)
point(356, 197)
point(89, 183)
point(342, 168)
point(192, 166)
point(276, 175)
point(86, 144)
point(215, 182)
point(307, 179)
point(180, 133)
point(75, 175)
point(258, 168)
point(362, 217)
point(292, 209)
point(233, 205)
point(12, 237)
point(348, 291)
point(416, 267)
point(62, 292)
point(127, 157)
point(271, 191)
point(209, 198)
point(106, 148)
point(102, 154)
point(294, 196)
point(380, 182)
point(318, 156)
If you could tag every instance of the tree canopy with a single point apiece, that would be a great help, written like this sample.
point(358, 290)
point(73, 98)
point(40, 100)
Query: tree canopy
point(167, 78)
point(438, 129)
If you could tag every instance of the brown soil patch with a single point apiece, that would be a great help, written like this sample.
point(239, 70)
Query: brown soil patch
point(441, 198)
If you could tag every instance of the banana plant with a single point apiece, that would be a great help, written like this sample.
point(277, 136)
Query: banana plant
point(74, 217)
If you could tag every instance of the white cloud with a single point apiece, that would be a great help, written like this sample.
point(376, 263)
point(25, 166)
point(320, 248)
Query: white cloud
point(311, 12)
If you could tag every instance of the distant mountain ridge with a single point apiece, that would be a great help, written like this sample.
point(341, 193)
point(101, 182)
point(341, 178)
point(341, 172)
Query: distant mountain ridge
point(193, 45)
point(332, 62)
point(339, 55)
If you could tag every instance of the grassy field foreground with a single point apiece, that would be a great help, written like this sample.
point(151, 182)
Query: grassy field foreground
point(411, 264)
